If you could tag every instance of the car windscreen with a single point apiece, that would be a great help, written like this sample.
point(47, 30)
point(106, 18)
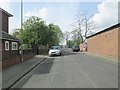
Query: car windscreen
point(75, 46)
point(55, 47)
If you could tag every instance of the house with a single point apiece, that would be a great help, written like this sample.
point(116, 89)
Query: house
point(10, 45)
point(105, 43)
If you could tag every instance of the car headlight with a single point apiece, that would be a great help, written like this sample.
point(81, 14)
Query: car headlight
point(57, 51)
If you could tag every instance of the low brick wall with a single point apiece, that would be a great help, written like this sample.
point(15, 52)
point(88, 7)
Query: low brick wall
point(17, 59)
point(11, 61)
point(28, 56)
point(83, 47)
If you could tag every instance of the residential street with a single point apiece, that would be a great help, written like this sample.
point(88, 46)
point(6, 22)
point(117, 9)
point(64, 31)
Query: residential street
point(59, 44)
point(72, 70)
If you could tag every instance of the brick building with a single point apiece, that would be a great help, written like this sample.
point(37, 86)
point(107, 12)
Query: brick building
point(105, 43)
point(10, 45)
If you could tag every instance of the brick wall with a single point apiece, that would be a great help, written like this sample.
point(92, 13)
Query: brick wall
point(11, 61)
point(119, 43)
point(16, 59)
point(28, 56)
point(13, 57)
point(5, 22)
point(81, 47)
point(6, 54)
point(105, 43)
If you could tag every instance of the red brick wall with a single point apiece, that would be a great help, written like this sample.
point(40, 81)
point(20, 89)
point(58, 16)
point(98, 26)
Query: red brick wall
point(10, 61)
point(81, 47)
point(119, 43)
point(4, 22)
point(16, 59)
point(28, 56)
point(105, 43)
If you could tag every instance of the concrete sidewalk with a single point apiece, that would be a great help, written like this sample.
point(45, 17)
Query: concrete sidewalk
point(107, 59)
point(13, 73)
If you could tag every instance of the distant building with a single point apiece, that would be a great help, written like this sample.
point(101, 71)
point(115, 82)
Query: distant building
point(10, 45)
point(105, 42)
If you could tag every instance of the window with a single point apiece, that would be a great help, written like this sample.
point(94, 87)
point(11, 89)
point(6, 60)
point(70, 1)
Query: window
point(6, 45)
point(14, 46)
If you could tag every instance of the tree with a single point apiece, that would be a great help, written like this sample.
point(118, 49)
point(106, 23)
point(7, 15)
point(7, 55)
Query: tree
point(35, 32)
point(83, 24)
point(67, 37)
point(55, 34)
point(70, 43)
point(77, 38)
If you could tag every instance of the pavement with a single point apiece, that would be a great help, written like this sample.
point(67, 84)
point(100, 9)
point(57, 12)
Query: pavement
point(107, 59)
point(13, 73)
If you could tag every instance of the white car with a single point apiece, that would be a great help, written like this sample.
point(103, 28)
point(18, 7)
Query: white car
point(55, 50)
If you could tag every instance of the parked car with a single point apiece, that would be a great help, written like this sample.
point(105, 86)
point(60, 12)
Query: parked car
point(75, 48)
point(55, 50)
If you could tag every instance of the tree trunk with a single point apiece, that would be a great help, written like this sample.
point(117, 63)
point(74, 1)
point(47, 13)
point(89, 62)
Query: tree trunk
point(35, 49)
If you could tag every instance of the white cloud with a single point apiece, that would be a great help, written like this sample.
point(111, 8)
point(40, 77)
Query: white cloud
point(42, 13)
point(107, 14)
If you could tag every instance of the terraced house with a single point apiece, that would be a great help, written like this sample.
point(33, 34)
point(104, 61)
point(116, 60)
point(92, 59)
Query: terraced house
point(10, 45)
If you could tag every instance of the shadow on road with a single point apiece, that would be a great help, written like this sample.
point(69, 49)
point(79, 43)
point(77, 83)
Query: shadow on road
point(70, 53)
point(45, 66)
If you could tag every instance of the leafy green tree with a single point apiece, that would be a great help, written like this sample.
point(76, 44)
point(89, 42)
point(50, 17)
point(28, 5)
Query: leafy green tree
point(35, 32)
point(70, 43)
point(55, 34)
point(76, 37)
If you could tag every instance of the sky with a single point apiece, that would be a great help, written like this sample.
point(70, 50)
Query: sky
point(62, 13)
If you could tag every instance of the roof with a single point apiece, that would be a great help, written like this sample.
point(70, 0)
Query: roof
point(105, 30)
point(7, 36)
point(6, 12)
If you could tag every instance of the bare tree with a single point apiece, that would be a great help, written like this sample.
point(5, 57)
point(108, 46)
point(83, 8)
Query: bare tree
point(83, 25)
point(67, 36)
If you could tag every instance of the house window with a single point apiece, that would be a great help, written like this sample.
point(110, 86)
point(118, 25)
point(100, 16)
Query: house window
point(14, 46)
point(6, 45)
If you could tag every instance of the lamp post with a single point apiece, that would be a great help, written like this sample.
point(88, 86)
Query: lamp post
point(21, 29)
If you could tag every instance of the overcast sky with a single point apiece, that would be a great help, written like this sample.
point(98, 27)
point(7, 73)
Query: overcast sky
point(62, 13)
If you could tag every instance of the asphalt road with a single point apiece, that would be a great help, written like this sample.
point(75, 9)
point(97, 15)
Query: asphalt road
point(72, 70)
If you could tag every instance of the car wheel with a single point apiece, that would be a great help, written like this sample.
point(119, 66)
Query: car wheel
point(60, 54)
point(50, 55)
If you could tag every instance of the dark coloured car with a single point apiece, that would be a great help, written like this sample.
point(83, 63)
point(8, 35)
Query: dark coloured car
point(75, 48)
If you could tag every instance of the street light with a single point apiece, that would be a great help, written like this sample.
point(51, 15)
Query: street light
point(21, 29)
